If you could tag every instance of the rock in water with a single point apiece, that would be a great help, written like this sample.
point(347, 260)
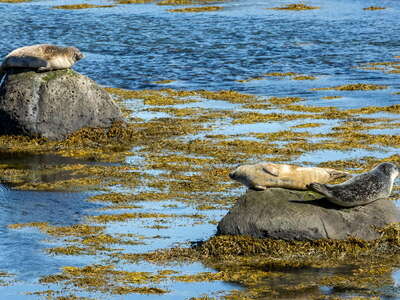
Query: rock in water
point(53, 104)
point(297, 215)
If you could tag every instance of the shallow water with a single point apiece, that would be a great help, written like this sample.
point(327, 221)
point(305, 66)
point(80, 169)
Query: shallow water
point(132, 46)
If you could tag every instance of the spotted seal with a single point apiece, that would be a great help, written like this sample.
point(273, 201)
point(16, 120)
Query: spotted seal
point(41, 57)
point(264, 175)
point(361, 189)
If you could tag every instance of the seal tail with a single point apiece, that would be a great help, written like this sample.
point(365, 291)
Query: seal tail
point(319, 188)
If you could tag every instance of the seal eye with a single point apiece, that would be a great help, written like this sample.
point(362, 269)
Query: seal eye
point(388, 168)
point(78, 55)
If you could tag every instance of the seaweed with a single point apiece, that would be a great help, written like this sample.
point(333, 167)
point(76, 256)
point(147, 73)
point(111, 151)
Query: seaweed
point(80, 6)
point(134, 1)
point(354, 87)
point(297, 6)
point(374, 8)
point(183, 161)
point(187, 2)
point(196, 9)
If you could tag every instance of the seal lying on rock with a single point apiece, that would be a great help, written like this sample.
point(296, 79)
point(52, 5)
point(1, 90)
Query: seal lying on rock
point(361, 189)
point(265, 175)
point(42, 57)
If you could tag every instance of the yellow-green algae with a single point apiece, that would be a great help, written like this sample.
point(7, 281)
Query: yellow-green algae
point(384, 63)
point(6, 279)
point(127, 216)
point(80, 6)
point(284, 100)
point(118, 198)
point(396, 71)
point(281, 74)
point(154, 97)
point(196, 9)
point(231, 96)
point(374, 8)
point(206, 207)
point(372, 68)
point(182, 96)
point(292, 75)
point(262, 106)
point(103, 144)
point(143, 94)
point(187, 2)
point(307, 125)
point(71, 177)
point(304, 77)
point(194, 171)
point(90, 239)
point(331, 97)
point(297, 6)
point(354, 87)
point(163, 81)
point(253, 262)
point(107, 280)
point(134, 1)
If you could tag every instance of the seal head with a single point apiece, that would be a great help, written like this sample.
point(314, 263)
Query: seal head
point(78, 55)
point(361, 189)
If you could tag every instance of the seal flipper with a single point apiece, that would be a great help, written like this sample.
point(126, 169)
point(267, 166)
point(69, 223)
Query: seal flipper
point(3, 76)
point(319, 188)
point(271, 170)
point(258, 188)
point(338, 174)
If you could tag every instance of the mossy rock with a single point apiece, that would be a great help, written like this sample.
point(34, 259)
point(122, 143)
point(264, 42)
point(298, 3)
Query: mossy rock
point(302, 215)
point(53, 104)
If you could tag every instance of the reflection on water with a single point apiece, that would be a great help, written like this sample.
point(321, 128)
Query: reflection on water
point(29, 160)
point(22, 251)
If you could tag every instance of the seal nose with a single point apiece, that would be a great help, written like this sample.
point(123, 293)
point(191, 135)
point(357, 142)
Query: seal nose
point(232, 175)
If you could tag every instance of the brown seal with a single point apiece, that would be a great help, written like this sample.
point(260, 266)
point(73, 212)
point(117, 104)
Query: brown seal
point(361, 189)
point(265, 175)
point(42, 57)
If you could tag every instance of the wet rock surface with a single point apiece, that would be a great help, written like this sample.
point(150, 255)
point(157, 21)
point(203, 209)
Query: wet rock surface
point(53, 104)
point(297, 215)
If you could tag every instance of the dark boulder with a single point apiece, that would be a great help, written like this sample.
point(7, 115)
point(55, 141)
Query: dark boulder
point(53, 104)
point(302, 215)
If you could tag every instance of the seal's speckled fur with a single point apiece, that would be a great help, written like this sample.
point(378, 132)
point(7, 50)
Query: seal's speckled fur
point(361, 189)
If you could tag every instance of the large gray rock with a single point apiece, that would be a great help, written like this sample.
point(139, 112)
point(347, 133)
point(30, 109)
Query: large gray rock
point(297, 215)
point(53, 104)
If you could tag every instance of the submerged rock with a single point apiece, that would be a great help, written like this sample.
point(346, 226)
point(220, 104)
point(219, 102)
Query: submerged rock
point(297, 215)
point(53, 104)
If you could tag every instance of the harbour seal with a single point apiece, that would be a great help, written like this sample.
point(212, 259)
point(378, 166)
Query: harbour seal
point(361, 189)
point(265, 175)
point(41, 57)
